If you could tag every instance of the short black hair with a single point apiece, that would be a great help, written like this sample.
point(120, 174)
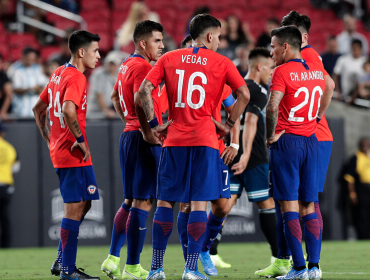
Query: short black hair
point(259, 52)
point(202, 22)
point(185, 41)
point(81, 39)
point(145, 29)
point(302, 22)
point(356, 42)
point(288, 34)
point(273, 20)
point(28, 50)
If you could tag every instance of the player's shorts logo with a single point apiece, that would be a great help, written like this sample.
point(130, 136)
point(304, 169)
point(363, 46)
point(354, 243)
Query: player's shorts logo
point(91, 189)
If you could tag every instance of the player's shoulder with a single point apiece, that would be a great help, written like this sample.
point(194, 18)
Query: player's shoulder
point(255, 88)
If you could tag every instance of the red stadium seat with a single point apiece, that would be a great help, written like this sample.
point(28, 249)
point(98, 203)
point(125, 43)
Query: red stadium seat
point(48, 51)
point(22, 39)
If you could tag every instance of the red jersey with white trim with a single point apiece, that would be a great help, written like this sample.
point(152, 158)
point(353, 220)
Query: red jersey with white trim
point(302, 90)
point(323, 132)
point(217, 114)
point(194, 79)
point(130, 76)
point(66, 84)
point(163, 100)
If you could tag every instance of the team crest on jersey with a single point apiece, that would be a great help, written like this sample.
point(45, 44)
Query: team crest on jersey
point(91, 189)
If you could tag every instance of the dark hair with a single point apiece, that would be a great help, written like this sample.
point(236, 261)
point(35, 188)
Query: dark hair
point(241, 35)
point(28, 50)
point(259, 52)
point(356, 42)
point(331, 37)
point(81, 39)
point(202, 22)
point(299, 21)
point(273, 20)
point(145, 29)
point(288, 34)
point(185, 41)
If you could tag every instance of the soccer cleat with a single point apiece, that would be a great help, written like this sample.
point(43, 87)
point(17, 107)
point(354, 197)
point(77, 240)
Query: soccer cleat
point(78, 274)
point(273, 259)
point(193, 275)
point(314, 273)
point(156, 274)
point(279, 268)
point(294, 274)
point(208, 266)
point(134, 271)
point(217, 261)
point(110, 267)
point(56, 268)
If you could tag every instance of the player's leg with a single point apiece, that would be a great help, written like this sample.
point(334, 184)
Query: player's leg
point(182, 226)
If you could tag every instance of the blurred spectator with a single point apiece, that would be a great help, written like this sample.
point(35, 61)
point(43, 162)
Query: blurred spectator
point(28, 82)
point(331, 55)
point(6, 92)
point(349, 33)
point(364, 82)
point(238, 33)
point(347, 71)
point(9, 164)
point(102, 81)
point(65, 54)
point(223, 47)
point(139, 11)
point(68, 5)
point(50, 66)
point(199, 10)
point(264, 40)
point(357, 177)
point(241, 60)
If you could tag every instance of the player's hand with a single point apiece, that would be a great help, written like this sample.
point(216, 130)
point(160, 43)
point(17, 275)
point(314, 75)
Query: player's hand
point(84, 149)
point(274, 139)
point(160, 131)
point(151, 139)
point(222, 129)
point(229, 154)
point(240, 166)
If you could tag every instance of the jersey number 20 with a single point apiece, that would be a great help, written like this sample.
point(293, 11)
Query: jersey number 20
point(304, 103)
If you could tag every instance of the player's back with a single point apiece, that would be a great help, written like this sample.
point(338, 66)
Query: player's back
point(65, 84)
point(194, 80)
point(303, 85)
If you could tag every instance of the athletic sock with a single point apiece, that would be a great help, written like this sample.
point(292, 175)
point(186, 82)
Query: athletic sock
point(182, 229)
point(68, 234)
point(312, 235)
point(196, 232)
point(311, 265)
point(293, 235)
point(136, 232)
point(119, 230)
point(284, 251)
point(268, 226)
point(213, 251)
point(162, 228)
point(60, 254)
point(214, 225)
point(318, 213)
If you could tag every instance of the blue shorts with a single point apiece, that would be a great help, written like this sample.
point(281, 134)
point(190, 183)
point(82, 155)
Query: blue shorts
point(189, 174)
point(225, 180)
point(139, 165)
point(255, 181)
point(293, 165)
point(77, 184)
point(325, 148)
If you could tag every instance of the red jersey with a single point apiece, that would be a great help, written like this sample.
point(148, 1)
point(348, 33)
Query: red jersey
point(302, 90)
point(66, 83)
point(323, 132)
point(194, 80)
point(130, 76)
point(163, 100)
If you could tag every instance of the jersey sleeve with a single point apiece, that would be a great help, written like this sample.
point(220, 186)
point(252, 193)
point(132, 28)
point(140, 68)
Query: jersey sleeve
point(156, 74)
point(257, 101)
point(44, 95)
point(140, 75)
point(277, 81)
point(233, 77)
point(75, 89)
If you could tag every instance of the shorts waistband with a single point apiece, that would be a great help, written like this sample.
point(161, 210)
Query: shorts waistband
point(290, 135)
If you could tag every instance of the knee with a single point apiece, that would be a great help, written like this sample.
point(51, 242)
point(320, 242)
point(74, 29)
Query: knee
point(221, 210)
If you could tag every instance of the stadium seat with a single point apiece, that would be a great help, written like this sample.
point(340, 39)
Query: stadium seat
point(48, 51)
point(22, 39)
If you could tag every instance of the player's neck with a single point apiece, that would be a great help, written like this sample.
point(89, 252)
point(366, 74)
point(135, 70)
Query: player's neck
point(198, 44)
point(252, 75)
point(292, 55)
point(143, 54)
point(304, 44)
point(78, 64)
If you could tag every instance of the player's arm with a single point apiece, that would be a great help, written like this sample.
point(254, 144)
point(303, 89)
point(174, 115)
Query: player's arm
point(8, 93)
point(327, 96)
point(117, 106)
point(70, 116)
point(239, 106)
point(249, 132)
point(41, 116)
point(272, 114)
point(230, 153)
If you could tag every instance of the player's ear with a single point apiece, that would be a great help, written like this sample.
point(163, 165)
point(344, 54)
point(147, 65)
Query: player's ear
point(259, 66)
point(142, 44)
point(81, 52)
point(209, 37)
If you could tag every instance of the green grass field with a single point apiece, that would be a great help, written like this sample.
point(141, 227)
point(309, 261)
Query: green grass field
point(339, 260)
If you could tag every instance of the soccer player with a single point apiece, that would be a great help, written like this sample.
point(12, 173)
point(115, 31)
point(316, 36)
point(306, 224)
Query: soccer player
point(139, 159)
point(297, 98)
point(64, 99)
point(189, 168)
